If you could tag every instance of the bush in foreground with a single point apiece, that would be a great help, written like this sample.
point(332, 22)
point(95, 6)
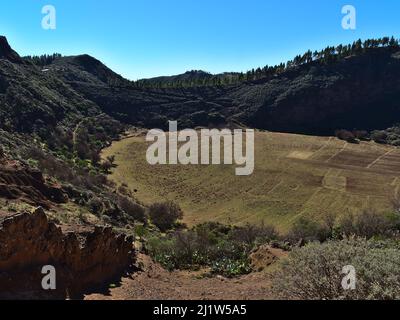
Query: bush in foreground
point(224, 249)
point(314, 272)
point(368, 224)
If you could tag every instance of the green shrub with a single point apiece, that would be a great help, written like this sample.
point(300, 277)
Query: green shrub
point(308, 230)
point(231, 267)
point(395, 142)
point(162, 251)
point(140, 230)
point(222, 248)
point(315, 271)
point(96, 206)
point(186, 250)
point(379, 136)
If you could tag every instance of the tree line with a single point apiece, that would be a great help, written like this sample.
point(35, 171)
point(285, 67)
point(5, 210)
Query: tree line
point(44, 59)
point(330, 54)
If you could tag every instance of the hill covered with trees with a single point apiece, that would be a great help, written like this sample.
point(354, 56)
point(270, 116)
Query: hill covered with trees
point(354, 86)
point(330, 54)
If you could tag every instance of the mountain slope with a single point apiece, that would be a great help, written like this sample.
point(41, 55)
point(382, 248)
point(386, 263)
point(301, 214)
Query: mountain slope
point(31, 99)
point(193, 75)
point(316, 98)
point(360, 91)
point(6, 52)
point(356, 92)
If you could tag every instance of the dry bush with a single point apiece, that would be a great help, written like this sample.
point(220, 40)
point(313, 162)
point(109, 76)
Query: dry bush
point(107, 164)
point(131, 208)
point(308, 230)
point(379, 136)
point(346, 136)
point(314, 272)
point(124, 190)
point(250, 234)
point(361, 134)
point(164, 215)
point(367, 224)
point(51, 165)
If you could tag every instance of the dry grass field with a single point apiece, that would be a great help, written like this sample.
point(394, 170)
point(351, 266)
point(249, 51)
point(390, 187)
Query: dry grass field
point(294, 176)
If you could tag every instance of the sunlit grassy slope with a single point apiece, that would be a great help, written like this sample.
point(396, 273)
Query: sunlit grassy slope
point(294, 175)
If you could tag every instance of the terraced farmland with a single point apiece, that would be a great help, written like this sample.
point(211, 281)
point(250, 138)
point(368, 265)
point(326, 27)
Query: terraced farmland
point(294, 175)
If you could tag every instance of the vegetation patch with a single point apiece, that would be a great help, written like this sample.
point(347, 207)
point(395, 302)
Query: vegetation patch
point(223, 249)
point(314, 272)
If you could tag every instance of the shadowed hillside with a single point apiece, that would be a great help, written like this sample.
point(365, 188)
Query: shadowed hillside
point(358, 91)
point(358, 88)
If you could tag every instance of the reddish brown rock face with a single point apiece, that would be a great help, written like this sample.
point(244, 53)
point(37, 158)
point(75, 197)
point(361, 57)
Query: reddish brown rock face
point(18, 181)
point(83, 257)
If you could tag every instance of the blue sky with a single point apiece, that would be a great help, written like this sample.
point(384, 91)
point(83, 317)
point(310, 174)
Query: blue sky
point(145, 38)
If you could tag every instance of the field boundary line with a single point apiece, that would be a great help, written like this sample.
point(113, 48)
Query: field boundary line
point(275, 186)
point(337, 153)
point(326, 144)
point(379, 158)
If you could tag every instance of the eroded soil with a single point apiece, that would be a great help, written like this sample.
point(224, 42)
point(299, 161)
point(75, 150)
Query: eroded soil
point(154, 282)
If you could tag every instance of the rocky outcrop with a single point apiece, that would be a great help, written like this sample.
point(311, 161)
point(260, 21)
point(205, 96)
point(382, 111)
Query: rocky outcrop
point(84, 257)
point(264, 256)
point(6, 52)
point(19, 181)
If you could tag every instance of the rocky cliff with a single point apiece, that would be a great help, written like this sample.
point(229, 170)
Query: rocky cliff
point(84, 257)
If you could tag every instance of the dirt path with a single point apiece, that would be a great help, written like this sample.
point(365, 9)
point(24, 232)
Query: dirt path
point(156, 283)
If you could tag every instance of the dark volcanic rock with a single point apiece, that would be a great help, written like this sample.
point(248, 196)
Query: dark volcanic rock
point(357, 92)
point(360, 91)
point(6, 52)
